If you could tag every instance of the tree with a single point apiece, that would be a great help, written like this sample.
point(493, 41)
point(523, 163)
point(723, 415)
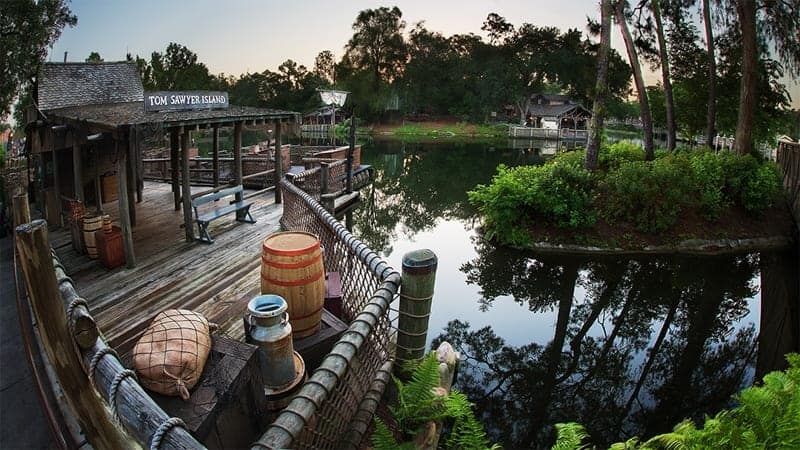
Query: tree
point(94, 57)
point(647, 126)
point(711, 116)
point(746, 11)
point(27, 29)
point(601, 88)
point(497, 27)
point(377, 44)
point(669, 102)
point(176, 69)
point(324, 65)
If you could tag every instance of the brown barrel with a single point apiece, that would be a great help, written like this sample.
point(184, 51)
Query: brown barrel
point(90, 225)
point(291, 266)
point(107, 224)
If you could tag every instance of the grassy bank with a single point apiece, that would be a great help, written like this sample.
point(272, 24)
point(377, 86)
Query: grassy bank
point(442, 130)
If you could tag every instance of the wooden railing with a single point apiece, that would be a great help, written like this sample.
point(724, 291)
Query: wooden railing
point(98, 389)
point(547, 133)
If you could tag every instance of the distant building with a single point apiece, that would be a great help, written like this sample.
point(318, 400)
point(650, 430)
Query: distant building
point(554, 112)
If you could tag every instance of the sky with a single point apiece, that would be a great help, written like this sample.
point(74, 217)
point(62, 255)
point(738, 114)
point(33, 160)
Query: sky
point(239, 36)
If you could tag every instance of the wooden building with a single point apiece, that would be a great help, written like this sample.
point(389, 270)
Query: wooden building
point(86, 138)
point(556, 112)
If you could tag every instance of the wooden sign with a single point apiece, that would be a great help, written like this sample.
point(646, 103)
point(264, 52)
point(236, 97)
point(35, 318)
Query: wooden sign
point(184, 100)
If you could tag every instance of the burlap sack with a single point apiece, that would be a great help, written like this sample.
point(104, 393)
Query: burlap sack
point(170, 356)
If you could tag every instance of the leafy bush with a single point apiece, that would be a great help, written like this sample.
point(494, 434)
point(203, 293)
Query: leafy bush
point(558, 191)
point(763, 189)
point(651, 195)
point(417, 405)
point(768, 416)
point(576, 158)
point(709, 180)
point(618, 153)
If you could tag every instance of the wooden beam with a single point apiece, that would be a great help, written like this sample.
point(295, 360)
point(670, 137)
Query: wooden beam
point(77, 170)
point(122, 199)
point(278, 161)
point(48, 307)
point(215, 155)
point(173, 165)
point(187, 190)
point(97, 195)
point(237, 156)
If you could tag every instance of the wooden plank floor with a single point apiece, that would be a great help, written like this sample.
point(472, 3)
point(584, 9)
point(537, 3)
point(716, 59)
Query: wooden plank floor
point(216, 280)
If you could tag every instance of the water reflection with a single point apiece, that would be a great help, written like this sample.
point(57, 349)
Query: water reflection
point(648, 342)
point(627, 346)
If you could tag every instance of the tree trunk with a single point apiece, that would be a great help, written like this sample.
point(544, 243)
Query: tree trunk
point(644, 105)
point(746, 9)
point(601, 88)
point(711, 117)
point(669, 102)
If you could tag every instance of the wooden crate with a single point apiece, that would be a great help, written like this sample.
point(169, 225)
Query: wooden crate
point(314, 348)
point(109, 247)
point(227, 407)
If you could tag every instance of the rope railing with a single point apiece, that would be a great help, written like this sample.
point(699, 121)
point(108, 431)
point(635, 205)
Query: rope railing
point(330, 409)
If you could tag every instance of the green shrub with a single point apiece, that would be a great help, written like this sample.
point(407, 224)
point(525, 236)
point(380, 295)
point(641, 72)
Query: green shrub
point(558, 191)
point(709, 179)
point(651, 195)
point(768, 416)
point(618, 153)
point(575, 158)
point(763, 188)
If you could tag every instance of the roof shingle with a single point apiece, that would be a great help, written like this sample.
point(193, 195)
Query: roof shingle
point(64, 85)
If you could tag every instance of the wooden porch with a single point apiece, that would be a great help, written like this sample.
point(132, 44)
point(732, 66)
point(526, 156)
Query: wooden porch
point(216, 280)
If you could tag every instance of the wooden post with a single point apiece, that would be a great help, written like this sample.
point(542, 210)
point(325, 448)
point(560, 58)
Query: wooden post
point(187, 190)
point(56, 190)
point(350, 150)
point(124, 214)
point(130, 173)
point(97, 190)
point(45, 299)
point(173, 156)
point(278, 161)
point(215, 155)
point(324, 177)
point(237, 156)
point(416, 293)
point(22, 209)
point(77, 169)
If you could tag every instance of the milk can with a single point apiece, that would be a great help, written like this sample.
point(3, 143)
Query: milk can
point(267, 325)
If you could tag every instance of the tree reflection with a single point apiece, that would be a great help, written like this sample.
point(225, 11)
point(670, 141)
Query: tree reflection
point(652, 341)
point(418, 184)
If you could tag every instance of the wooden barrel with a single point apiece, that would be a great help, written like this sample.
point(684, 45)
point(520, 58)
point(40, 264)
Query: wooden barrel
point(90, 225)
point(291, 266)
point(107, 224)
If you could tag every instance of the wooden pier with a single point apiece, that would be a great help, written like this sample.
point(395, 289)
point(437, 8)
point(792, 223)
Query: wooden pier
point(216, 280)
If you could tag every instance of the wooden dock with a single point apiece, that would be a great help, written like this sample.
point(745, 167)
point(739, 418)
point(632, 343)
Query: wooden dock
point(216, 280)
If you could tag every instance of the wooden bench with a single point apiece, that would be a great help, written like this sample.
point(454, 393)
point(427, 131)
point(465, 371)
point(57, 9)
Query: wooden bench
point(241, 208)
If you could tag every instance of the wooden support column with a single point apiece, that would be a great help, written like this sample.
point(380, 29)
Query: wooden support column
point(215, 155)
point(237, 156)
point(173, 166)
point(77, 168)
point(48, 307)
point(124, 203)
point(98, 197)
point(278, 161)
point(416, 295)
point(187, 190)
point(56, 190)
point(130, 149)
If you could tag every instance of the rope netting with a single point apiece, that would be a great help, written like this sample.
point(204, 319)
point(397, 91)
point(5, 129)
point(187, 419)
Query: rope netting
point(320, 415)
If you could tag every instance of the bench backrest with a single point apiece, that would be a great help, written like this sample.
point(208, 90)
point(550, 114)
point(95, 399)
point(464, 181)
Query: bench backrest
point(217, 195)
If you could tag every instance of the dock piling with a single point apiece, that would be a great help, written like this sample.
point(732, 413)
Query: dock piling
point(416, 295)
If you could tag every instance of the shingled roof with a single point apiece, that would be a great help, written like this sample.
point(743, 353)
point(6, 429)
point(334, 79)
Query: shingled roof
point(64, 85)
point(558, 110)
point(132, 113)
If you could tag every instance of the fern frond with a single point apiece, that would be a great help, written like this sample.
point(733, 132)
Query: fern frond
point(570, 436)
point(383, 439)
point(467, 434)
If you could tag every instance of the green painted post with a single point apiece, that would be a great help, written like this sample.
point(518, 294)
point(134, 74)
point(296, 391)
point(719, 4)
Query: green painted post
point(416, 294)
